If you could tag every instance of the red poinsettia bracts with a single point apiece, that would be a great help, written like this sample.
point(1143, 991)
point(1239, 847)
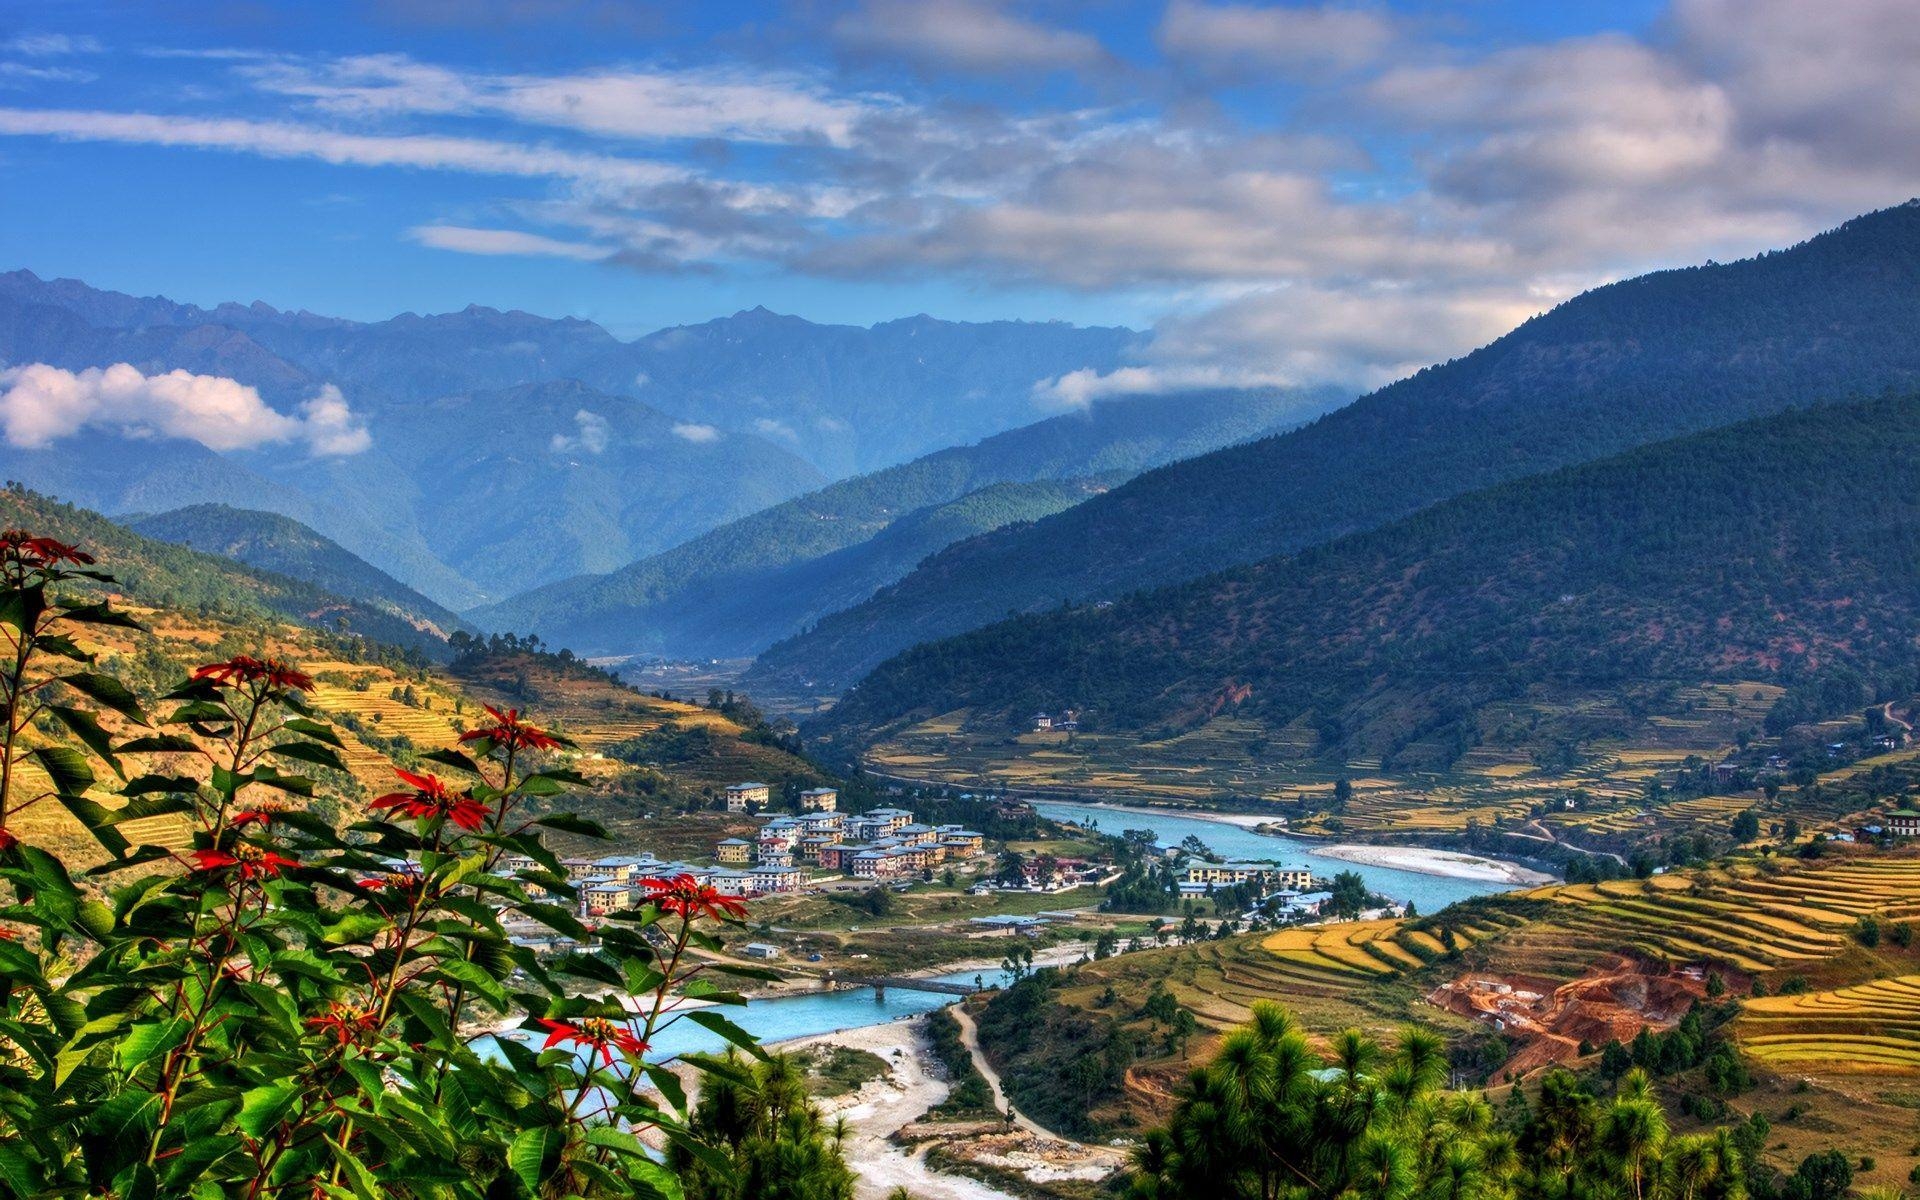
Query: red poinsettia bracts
point(244, 668)
point(686, 896)
point(431, 797)
point(510, 731)
point(252, 816)
point(40, 552)
point(343, 1025)
point(7, 840)
point(598, 1034)
point(251, 861)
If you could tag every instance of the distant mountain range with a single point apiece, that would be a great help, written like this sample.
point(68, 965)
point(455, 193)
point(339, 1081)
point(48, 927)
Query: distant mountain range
point(1782, 550)
point(166, 574)
point(1624, 365)
point(511, 450)
point(738, 588)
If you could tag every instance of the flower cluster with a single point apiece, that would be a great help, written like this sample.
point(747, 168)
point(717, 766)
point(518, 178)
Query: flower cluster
point(39, 553)
point(601, 1036)
point(431, 798)
point(244, 669)
point(509, 731)
point(685, 896)
point(343, 1024)
point(252, 862)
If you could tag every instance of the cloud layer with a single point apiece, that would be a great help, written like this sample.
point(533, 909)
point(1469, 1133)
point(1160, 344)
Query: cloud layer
point(40, 405)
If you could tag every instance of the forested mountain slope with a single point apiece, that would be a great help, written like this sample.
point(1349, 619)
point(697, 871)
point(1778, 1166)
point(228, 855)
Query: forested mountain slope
point(1623, 365)
point(1786, 549)
point(283, 545)
point(738, 588)
point(166, 575)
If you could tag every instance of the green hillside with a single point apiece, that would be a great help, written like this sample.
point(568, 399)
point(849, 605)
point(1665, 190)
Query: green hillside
point(284, 546)
point(1624, 365)
point(1783, 550)
point(741, 587)
point(165, 575)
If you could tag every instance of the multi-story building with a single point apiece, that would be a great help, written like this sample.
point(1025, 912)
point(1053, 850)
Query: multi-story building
point(819, 800)
point(601, 898)
point(811, 845)
point(893, 818)
point(774, 880)
point(744, 796)
point(732, 883)
point(961, 843)
point(733, 850)
point(1229, 873)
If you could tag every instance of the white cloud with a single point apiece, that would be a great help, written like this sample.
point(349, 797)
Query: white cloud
point(768, 427)
point(467, 240)
point(641, 104)
point(280, 139)
point(591, 434)
point(980, 36)
point(1244, 38)
point(49, 45)
point(40, 404)
point(697, 434)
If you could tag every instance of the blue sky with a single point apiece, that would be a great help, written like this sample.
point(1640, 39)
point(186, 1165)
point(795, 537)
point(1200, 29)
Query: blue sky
point(1293, 193)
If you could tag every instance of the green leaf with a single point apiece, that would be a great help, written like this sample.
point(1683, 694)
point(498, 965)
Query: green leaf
point(159, 743)
point(319, 731)
point(146, 1040)
point(311, 752)
point(451, 758)
point(98, 821)
point(66, 766)
point(712, 1021)
point(569, 823)
point(101, 614)
point(85, 726)
point(527, 1155)
point(262, 1108)
point(105, 689)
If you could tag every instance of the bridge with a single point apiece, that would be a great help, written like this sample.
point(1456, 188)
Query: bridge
point(905, 983)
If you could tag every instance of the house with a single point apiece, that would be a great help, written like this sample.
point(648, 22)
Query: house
point(1776, 762)
point(917, 835)
point(811, 846)
point(837, 856)
point(1042, 722)
point(579, 868)
point(962, 843)
point(1726, 772)
point(744, 796)
point(624, 868)
point(780, 856)
point(733, 850)
point(773, 880)
point(822, 822)
point(1903, 822)
point(733, 883)
point(606, 897)
point(1229, 873)
point(895, 819)
point(1308, 902)
point(760, 950)
point(823, 800)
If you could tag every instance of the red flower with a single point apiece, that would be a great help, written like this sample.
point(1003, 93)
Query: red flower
point(242, 668)
point(252, 816)
point(687, 897)
point(343, 1025)
point(431, 797)
point(40, 552)
point(252, 861)
point(7, 840)
point(602, 1036)
point(510, 731)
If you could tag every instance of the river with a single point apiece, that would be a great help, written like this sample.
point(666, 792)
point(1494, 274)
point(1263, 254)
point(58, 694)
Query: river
point(1429, 893)
point(783, 1018)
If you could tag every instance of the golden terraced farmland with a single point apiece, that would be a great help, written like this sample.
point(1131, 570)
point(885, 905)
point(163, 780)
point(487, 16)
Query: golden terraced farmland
point(1869, 1027)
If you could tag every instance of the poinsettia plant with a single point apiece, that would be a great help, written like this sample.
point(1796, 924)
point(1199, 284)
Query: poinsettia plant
point(272, 1005)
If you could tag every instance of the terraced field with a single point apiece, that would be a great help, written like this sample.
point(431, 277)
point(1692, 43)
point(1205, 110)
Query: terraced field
point(1350, 953)
point(1867, 1028)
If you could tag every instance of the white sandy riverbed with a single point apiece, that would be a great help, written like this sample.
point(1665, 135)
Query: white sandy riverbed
point(1449, 863)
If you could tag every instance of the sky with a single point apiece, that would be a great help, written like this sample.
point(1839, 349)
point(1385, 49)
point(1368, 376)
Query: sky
point(1295, 194)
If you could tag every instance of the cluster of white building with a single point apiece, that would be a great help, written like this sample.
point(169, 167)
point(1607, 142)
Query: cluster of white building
point(885, 843)
point(615, 883)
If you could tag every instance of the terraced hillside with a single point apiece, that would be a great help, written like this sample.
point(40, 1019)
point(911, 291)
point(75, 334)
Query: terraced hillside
point(1871, 1027)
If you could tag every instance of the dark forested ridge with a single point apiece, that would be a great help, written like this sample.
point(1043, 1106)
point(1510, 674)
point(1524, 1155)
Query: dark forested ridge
point(167, 575)
point(738, 588)
point(283, 545)
point(1624, 365)
point(1786, 549)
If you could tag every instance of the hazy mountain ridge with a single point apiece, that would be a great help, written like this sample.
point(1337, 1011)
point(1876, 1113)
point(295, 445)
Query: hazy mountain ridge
point(1623, 365)
point(272, 542)
point(737, 588)
point(1786, 549)
point(682, 411)
point(169, 575)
